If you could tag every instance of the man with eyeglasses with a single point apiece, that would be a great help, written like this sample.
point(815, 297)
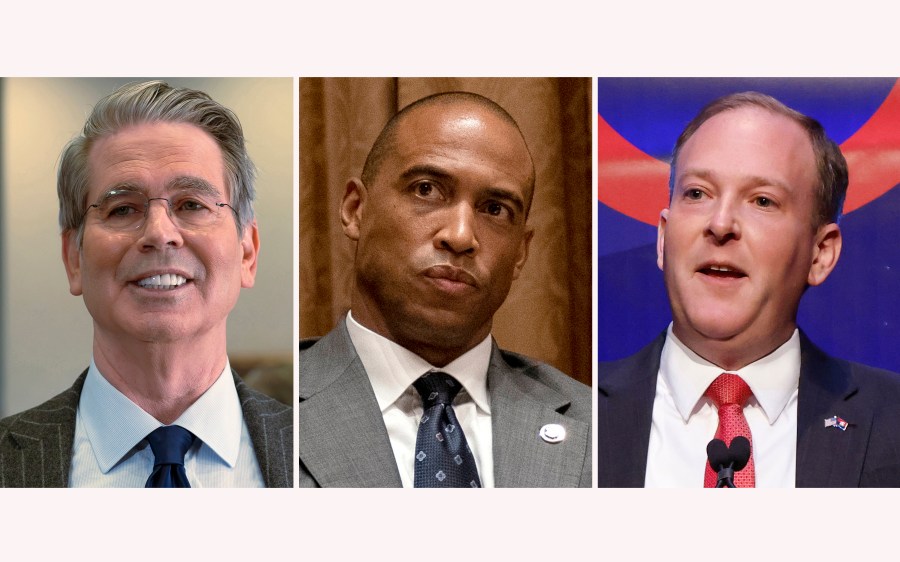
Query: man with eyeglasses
point(158, 237)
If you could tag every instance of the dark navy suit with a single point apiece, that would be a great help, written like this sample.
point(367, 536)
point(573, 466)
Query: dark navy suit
point(867, 454)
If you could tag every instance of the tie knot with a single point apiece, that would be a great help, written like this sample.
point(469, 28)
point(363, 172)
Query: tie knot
point(169, 444)
point(437, 388)
point(728, 389)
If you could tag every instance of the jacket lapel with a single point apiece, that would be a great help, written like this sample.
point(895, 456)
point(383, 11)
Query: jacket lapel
point(271, 427)
point(827, 456)
point(626, 390)
point(343, 441)
point(520, 406)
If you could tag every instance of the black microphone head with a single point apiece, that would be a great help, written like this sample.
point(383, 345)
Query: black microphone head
point(740, 452)
point(717, 452)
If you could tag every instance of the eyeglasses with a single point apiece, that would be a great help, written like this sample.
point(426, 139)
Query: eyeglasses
point(126, 209)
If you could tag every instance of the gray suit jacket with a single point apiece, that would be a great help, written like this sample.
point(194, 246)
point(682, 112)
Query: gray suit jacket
point(867, 454)
point(36, 445)
point(344, 443)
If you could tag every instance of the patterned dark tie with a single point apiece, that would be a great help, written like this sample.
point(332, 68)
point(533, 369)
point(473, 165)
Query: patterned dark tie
point(443, 458)
point(730, 393)
point(169, 444)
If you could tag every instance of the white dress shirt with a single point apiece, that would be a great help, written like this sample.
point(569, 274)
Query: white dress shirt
point(392, 369)
point(110, 449)
point(684, 421)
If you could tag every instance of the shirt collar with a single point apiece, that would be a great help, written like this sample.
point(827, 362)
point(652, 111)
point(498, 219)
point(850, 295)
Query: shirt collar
point(115, 425)
point(772, 379)
point(392, 368)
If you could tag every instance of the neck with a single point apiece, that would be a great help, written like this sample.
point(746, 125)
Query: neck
point(734, 353)
point(427, 342)
point(163, 379)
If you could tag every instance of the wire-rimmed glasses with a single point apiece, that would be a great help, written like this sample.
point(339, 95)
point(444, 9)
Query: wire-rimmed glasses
point(126, 209)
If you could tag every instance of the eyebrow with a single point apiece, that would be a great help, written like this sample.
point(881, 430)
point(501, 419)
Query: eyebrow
point(755, 181)
point(492, 192)
point(180, 183)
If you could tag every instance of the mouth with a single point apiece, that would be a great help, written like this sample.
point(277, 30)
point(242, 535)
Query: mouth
point(162, 282)
point(721, 271)
point(451, 274)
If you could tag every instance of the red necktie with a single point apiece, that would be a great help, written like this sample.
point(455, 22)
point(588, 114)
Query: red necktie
point(730, 393)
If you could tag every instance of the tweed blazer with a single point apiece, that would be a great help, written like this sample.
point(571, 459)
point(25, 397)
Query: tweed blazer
point(36, 445)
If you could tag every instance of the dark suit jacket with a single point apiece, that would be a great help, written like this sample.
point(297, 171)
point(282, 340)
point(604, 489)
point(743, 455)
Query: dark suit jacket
point(36, 445)
point(866, 454)
point(344, 443)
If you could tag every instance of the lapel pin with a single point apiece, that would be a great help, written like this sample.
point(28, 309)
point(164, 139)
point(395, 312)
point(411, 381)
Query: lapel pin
point(837, 422)
point(552, 433)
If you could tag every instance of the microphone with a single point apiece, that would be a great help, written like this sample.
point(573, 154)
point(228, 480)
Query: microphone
point(725, 460)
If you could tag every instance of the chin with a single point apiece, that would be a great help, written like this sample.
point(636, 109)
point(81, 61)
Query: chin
point(719, 326)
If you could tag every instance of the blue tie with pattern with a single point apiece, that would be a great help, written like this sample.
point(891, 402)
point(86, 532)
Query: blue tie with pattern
point(169, 443)
point(443, 458)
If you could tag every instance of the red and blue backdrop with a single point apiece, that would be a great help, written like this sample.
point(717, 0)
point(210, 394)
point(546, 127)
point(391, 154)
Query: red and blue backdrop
point(855, 314)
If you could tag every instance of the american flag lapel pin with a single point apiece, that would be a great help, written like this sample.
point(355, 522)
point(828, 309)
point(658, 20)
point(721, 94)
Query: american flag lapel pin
point(837, 422)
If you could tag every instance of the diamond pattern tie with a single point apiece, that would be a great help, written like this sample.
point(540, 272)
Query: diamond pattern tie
point(169, 444)
point(443, 458)
point(730, 393)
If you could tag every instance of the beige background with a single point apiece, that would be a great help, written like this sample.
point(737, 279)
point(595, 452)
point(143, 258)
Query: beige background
point(45, 340)
point(548, 312)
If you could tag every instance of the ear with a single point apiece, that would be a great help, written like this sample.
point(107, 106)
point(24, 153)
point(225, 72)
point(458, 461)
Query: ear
point(71, 256)
point(522, 256)
point(661, 237)
point(250, 250)
point(352, 207)
point(825, 253)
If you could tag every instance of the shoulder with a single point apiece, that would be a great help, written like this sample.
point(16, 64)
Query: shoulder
point(642, 365)
point(59, 409)
point(256, 403)
point(835, 374)
point(541, 375)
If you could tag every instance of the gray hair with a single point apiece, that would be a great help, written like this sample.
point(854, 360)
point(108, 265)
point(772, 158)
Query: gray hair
point(148, 102)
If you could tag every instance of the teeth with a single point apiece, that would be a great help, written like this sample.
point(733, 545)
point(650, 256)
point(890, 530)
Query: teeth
point(163, 282)
point(719, 268)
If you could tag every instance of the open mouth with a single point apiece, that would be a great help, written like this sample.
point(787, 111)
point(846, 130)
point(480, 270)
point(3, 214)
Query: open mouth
point(722, 272)
point(163, 282)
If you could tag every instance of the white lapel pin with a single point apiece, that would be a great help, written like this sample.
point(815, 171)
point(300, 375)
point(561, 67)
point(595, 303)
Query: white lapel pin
point(552, 433)
point(836, 422)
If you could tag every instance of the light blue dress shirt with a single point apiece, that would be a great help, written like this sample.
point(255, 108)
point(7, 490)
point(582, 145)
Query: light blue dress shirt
point(110, 449)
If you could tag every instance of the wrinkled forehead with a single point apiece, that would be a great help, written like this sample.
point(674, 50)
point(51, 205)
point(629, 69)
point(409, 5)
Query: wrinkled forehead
point(156, 157)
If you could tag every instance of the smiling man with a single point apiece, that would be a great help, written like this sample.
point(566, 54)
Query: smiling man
point(159, 238)
point(410, 389)
point(756, 193)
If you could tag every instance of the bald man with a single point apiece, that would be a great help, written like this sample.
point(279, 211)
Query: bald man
point(410, 389)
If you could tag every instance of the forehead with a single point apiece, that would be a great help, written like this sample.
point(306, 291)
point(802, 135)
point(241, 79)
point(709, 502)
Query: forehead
point(463, 136)
point(150, 156)
point(751, 141)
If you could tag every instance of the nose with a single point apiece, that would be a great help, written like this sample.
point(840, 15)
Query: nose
point(724, 223)
point(159, 230)
point(457, 230)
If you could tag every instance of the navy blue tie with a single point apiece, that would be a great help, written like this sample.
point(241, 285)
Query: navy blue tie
point(169, 443)
point(443, 458)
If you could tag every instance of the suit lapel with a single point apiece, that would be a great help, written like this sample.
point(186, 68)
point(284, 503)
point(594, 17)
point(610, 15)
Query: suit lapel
point(343, 441)
point(271, 427)
point(626, 390)
point(520, 406)
point(36, 449)
point(827, 456)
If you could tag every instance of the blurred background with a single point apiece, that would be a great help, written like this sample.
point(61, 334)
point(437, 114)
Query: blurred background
point(45, 332)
